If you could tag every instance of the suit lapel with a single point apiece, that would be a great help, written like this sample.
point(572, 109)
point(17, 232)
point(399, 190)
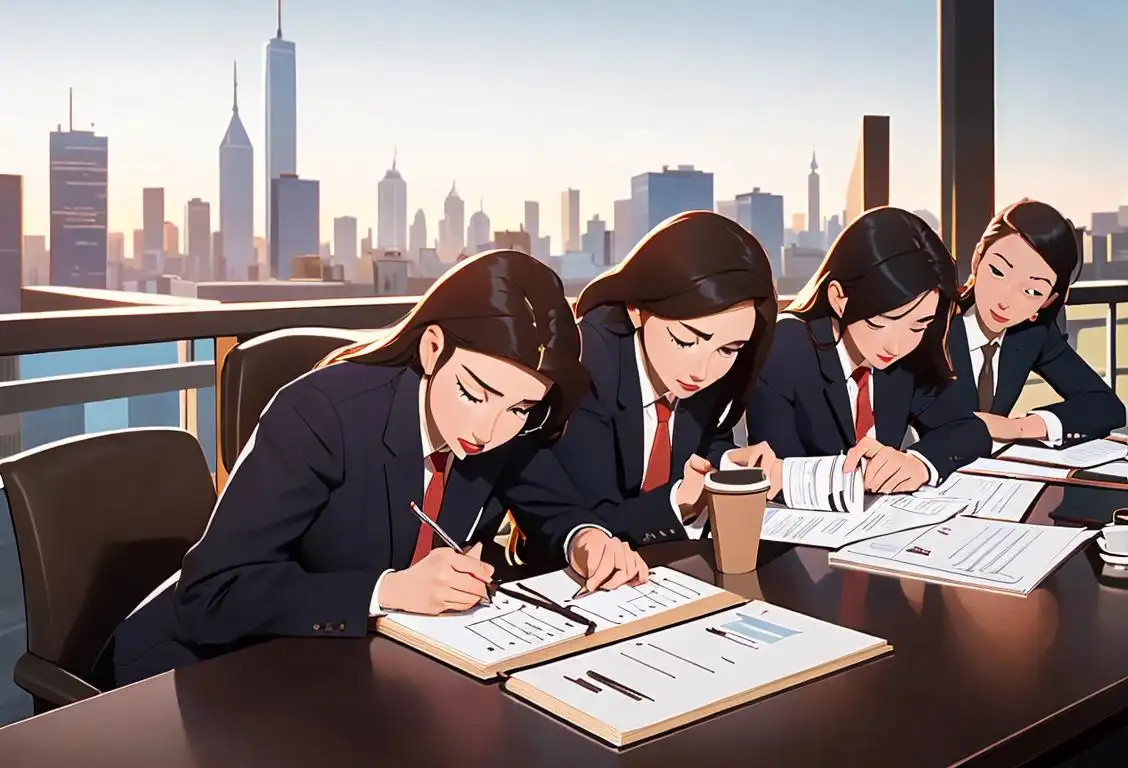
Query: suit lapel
point(959, 351)
point(834, 378)
point(892, 399)
point(403, 472)
point(464, 495)
point(688, 429)
point(628, 418)
point(1016, 358)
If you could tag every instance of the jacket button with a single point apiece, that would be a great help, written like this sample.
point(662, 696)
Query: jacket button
point(341, 626)
point(316, 627)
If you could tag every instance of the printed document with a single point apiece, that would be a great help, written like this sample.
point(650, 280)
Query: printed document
point(996, 498)
point(1014, 469)
point(1081, 456)
point(818, 482)
point(883, 515)
point(993, 555)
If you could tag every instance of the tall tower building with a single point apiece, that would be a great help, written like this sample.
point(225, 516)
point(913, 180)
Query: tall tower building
point(236, 197)
point(152, 223)
point(417, 237)
point(11, 242)
point(657, 196)
point(297, 204)
point(79, 174)
point(570, 218)
point(453, 228)
point(281, 91)
point(623, 222)
point(197, 239)
point(532, 219)
point(814, 219)
point(391, 223)
point(478, 231)
point(344, 245)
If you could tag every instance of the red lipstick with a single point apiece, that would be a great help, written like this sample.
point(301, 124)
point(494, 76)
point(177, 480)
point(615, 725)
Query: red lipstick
point(470, 448)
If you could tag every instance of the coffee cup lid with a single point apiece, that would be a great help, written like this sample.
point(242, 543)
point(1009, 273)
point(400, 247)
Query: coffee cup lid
point(737, 481)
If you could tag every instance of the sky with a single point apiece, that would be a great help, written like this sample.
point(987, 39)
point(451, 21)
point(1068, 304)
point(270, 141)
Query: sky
point(520, 99)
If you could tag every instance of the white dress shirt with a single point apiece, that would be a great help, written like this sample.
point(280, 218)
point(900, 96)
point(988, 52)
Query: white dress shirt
point(374, 608)
point(852, 396)
point(976, 341)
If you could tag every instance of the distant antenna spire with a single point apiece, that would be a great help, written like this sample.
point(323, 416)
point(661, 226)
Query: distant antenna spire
point(235, 87)
point(70, 109)
point(481, 205)
point(279, 19)
point(395, 154)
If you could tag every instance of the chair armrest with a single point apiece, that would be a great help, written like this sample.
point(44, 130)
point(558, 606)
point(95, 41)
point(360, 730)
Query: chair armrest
point(50, 682)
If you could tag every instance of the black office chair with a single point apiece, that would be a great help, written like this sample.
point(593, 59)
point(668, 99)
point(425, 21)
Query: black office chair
point(256, 369)
point(100, 521)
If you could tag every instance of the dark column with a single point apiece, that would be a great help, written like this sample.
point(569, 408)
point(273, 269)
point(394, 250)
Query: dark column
point(967, 124)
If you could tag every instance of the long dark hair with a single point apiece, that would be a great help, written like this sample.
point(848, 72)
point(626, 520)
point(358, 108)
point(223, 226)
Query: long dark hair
point(691, 265)
point(1044, 229)
point(884, 259)
point(500, 303)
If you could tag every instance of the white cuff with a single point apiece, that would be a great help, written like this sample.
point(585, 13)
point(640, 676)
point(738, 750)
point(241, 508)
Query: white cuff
point(1054, 430)
point(695, 527)
point(933, 475)
point(572, 535)
point(374, 608)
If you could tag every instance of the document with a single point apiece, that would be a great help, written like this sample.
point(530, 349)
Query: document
point(1117, 470)
point(1081, 456)
point(1003, 468)
point(996, 498)
point(510, 628)
point(636, 688)
point(819, 483)
point(883, 515)
point(1012, 558)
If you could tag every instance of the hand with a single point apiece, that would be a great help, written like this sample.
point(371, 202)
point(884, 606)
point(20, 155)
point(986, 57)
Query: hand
point(760, 455)
point(887, 469)
point(442, 581)
point(605, 562)
point(688, 495)
point(1006, 430)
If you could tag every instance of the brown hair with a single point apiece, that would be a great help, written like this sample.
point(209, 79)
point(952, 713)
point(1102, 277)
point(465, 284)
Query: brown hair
point(884, 259)
point(1048, 233)
point(500, 303)
point(691, 265)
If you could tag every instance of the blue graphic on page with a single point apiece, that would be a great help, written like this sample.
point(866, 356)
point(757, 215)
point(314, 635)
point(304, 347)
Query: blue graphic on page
point(759, 630)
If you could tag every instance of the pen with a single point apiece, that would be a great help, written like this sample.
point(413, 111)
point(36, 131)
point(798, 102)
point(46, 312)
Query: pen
point(536, 598)
point(491, 586)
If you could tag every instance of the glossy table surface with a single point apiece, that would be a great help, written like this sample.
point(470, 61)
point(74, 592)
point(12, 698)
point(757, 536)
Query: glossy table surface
point(975, 679)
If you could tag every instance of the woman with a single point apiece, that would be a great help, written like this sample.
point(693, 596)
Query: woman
point(313, 533)
point(672, 337)
point(1021, 273)
point(860, 356)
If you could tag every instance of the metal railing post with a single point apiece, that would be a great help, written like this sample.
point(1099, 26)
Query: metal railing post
point(1111, 351)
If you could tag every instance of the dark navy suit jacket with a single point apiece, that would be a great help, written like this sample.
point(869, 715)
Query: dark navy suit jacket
point(801, 407)
point(1089, 408)
point(600, 455)
point(315, 510)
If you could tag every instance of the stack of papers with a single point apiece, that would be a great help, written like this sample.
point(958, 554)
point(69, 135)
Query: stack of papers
point(995, 498)
point(882, 515)
point(1081, 456)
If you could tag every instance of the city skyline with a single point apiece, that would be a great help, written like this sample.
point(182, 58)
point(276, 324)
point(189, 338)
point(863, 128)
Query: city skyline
point(358, 102)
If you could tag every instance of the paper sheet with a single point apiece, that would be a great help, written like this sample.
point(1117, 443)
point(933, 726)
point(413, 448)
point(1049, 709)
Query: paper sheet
point(693, 665)
point(1015, 469)
point(1079, 456)
point(883, 515)
point(996, 498)
point(818, 482)
point(511, 627)
point(1117, 469)
point(1002, 556)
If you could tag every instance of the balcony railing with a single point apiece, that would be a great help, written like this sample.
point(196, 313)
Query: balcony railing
point(208, 330)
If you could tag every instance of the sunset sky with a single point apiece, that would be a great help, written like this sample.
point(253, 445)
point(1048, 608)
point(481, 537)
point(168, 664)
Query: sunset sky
point(520, 99)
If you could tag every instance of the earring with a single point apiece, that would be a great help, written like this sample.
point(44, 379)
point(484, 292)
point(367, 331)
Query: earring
point(1033, 317)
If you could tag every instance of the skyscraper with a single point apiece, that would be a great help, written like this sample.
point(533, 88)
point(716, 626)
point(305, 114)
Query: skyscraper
point(79, 174)
point(197, 239)
point(761, 214)
point(297, 205)
point(417, 236)
point(344, 245)
point(152, 221)
point(623, 222)
point(532, 219)
point(452, 230)
point(138, 246)
point(11, 242)
point(657, 196)
point(171, 239)
point(36, 260)
point(236, 197)
point(391, 223)
point(115, 248)
point(814, 219)
point(595, 240)
point(281, 91)
point(478, 231)
point(570, 218)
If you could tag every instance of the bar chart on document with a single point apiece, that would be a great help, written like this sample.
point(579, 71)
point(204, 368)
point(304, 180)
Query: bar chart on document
point(647, 680)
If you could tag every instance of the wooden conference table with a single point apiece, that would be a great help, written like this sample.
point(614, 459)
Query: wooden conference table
point(975, 679)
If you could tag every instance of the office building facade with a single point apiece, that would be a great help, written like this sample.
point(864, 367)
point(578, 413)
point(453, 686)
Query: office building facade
point(295, 222)
point(79, 167)
point(656, 197)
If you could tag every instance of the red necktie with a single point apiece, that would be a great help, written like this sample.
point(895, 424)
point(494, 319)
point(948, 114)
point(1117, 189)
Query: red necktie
point(863, 418)
point(432, 502)
point(658, 467)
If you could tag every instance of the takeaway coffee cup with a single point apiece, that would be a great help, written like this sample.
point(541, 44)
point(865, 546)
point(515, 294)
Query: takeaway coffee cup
point(736, 499)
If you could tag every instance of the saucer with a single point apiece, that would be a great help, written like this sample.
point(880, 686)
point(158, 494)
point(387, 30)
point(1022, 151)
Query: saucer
point(1102, 542)
point(1117, 560)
